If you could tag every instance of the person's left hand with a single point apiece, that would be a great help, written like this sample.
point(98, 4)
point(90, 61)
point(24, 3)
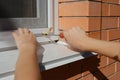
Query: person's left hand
point(25, 39)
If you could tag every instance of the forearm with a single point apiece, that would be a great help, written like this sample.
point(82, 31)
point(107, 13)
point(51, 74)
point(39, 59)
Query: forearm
point(77, 38)
point(110, 49)
point(27, 66)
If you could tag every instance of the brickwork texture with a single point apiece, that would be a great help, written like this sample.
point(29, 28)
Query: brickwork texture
point(101, 19)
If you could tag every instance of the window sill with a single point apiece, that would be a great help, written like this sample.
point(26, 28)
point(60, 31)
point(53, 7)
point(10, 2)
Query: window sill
point(54, 55)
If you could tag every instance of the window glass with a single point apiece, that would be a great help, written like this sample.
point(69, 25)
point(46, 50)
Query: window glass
point(17, 8)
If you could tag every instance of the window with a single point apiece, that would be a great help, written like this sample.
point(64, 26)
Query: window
point(18, 8)
point(38, 15)
point(26, 13)
point(42, 15)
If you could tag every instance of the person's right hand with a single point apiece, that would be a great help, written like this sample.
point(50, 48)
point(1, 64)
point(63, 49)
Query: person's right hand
point(76, 38)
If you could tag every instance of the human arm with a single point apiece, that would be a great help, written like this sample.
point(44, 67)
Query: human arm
point(77, 38)
point(27, 65)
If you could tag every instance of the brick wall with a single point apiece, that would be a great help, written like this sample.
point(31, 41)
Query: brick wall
point(101, 19)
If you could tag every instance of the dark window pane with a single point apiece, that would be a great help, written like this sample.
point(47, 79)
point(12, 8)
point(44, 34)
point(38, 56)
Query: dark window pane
point(17, 8)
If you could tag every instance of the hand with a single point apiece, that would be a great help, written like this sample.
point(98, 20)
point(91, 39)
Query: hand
point(76, 38)
point(25, 39)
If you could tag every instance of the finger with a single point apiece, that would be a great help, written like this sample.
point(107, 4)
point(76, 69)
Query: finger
point(35, 37)
point(32, 35)
point(21, 31)
point(75, 29)
point(26, 31)
point(72, 32)
point(66, 35)
point(15, 35)
point(79, 28)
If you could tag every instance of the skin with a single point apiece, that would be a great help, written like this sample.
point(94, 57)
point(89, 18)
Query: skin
point(27, 64)
point(77, 39)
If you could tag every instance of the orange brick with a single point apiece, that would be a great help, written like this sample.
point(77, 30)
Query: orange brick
point(82, 8)
point(74, 9)
point(98, 0)
point(95, 35)
point(110, 10)
point(116, 40)
point(116, 76)
point(94, 23)
point(74, 77)
point(118, 66)
point(109, 22)
point(109, 70)
point(114, 34)
point(85, 73)
point(104, 35)
point(65, 0)
point(88, 24)
point(110, 61)
point(103, 61)
point(105, 9)
point(114, 10)
point(111, 1)
point(111, 34)
point(73, 0)
point(87, 77)
point(119, 22)
point(94, 9)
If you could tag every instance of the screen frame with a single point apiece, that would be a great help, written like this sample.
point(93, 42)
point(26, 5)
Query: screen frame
point(52, 23)
point(7, 42)
point(52, 19)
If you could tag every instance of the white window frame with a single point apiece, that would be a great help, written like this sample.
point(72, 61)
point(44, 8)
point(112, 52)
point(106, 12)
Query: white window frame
point(54, 15)
point(52, 18)
point(6, 39)
point(5, 47)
